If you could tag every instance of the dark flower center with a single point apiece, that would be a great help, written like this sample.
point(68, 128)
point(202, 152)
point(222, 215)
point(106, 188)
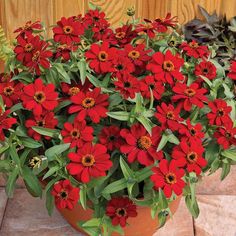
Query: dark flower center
point(67, 29)
point(121, 212)
point(120, 35)
point(88, 103)
point(172, 43)
point(40, 123)
point(63, 194)
point(170, 178)
point(168, 66)
point(112, 138)
point(134, 54)
point(36, 56)
point(228, 135)
point(170, 115)
point(73, 91)
point(152, 86)
point(205, 71)
point(88, 160)
point(75, 133)
point(120, 67)
point(220, 112)
point(144, 142)
point(189, 92)
point(192, 131)
point(28, 47)
point(127, 84)
point(102, 56)
point(192, 157)
point(8, 91)
point(39, 97)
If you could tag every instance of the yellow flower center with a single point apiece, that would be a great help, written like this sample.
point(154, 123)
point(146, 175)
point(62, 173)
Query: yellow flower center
point(39, 97)
point(73, 91)
point(168, 66)
point(134, 54)
point(8, 91)
point(102, 56)
point(28, 47)
point(189, 92)
point(170, 115)
point(67, 29)
point(121, 212)
point(192, 157)
point(170, 178)
point(88, 103)
point(120, 35)
point(75, 133)
point(144, 142)
point(193, 45)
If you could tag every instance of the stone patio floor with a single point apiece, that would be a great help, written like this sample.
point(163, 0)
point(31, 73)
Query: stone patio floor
point(27, 216)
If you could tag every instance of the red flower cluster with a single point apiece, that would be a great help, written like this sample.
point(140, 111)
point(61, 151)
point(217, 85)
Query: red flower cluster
point(119, 209)
point(66, 196)
point(232, 70)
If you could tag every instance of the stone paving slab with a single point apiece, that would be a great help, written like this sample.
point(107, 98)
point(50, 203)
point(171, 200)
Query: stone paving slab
point(217, 216)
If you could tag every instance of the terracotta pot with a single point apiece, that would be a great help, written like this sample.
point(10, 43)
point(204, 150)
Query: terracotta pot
point(142, 225)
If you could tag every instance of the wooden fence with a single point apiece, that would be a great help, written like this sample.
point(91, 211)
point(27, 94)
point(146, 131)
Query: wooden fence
point(14, 13)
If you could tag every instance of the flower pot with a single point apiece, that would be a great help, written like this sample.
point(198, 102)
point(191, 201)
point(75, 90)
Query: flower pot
point(142, 225)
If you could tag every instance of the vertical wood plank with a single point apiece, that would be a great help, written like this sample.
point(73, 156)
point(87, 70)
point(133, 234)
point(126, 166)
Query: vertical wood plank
point(17, 12)
point(115, 10)
point(67, 8)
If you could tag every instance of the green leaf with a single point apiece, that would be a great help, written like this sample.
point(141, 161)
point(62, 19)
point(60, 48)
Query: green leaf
point(56, 150)
point(14, 155)
point(82, 70)
point(229, 153)
point(21, 131)
point(83, 196)
point(51, 171)
point(163, 203)
point(5, 165)
point(127, 172)
point(148, 125)
point(163, 142)
point(30, 143)
point(61, 71)
point(192, 206)
point(11, 182)
point(225, 170)
point(173, 139)
point(32, 182)
point(119, 115)
point(16, 107)
point(143, 174)
point(94, 80)
point(161, 219)
point(62, 105)
point(49, 202)
point(4, 148)
point(215, 165)
point(114, 100)
point(46, 132)
point(115, 186)
point(94, 222)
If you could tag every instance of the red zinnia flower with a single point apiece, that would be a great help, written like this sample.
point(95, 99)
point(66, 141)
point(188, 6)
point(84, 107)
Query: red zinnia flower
point(25, 47)
point(74, 88)
point(46, 120)
point(168, 116)
point(101, 57)
point(110, 137)
point(90, 103)
point(161, 25)
point(189, 95)
point(123, 35)
point(127, 85)
point(119, 209)
point(10, 92)
point(39, 97)
point(226, 136)
point(77, 133)
point(5, 123)
point(193, 49)
point(68, 31)
point(168, 177)
point(232, 70)
point(148, 83)
point(29, 27)
point(205, 68)
point(64, 51)
point(189, 155)
point(66, 196)
point(138, 55)
point(191, 133)
point(148, 28)
point(140, 145)
point(219, 114)
point(122, 65)
point(166, 67)
point(40, 56)
point(89, 161)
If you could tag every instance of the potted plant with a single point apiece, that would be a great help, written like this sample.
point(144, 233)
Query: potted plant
point(113, 126)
